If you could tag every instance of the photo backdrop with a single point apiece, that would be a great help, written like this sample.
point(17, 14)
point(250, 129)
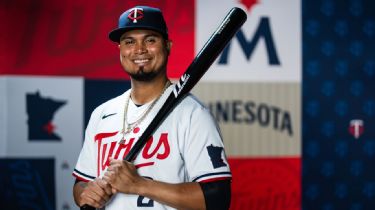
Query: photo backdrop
point(292, 93)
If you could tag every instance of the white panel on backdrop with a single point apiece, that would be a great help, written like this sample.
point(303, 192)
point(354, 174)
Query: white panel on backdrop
point(266, 48)
point(33, 101)
point(3, 116)
point(256, 119)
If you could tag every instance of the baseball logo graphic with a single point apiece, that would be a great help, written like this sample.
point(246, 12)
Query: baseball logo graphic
point(135, 14)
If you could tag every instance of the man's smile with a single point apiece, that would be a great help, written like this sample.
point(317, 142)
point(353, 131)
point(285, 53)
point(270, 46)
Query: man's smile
point(141, 61)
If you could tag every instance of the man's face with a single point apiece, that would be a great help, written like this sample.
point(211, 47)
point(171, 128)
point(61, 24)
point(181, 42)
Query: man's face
point(143, 54)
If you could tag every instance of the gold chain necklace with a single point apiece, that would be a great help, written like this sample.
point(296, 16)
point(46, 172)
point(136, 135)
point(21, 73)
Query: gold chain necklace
point(128, 127)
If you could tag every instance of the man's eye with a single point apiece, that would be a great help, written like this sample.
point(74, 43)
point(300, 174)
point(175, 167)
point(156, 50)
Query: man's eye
point(128, 42)
point(150, 40)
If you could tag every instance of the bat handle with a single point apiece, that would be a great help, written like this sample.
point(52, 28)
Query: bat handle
point(86, 207)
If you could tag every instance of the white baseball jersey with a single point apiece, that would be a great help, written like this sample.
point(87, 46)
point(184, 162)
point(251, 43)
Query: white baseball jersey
point(187, 146)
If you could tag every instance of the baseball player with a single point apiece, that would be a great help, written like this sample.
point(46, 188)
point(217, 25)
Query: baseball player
point(182, 166)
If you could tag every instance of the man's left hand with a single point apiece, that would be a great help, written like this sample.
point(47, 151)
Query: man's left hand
point(123, 177)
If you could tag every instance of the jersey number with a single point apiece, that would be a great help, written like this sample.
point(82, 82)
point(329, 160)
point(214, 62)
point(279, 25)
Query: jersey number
point(142, 200)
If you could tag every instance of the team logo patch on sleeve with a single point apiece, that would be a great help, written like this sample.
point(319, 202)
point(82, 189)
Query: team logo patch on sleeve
point(215, 156)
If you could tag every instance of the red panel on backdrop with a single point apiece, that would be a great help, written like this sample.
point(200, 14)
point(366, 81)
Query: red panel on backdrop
point(266, 183)
point(69, 38)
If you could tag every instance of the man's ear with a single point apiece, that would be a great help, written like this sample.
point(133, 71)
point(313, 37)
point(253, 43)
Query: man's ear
point(168, 46)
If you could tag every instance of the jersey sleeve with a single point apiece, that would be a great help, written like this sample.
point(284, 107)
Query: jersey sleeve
point(204, 153)
point(86, 167)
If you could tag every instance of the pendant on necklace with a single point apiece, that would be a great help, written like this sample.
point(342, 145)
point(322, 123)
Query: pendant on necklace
point(122, 141)
point(125, 132)
point(128, 130)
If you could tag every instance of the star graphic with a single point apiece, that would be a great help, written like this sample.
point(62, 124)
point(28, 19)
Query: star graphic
point(49, 127)
point(249, 3)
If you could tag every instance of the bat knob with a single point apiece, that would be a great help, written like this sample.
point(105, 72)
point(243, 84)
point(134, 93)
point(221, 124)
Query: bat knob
point(86, 207)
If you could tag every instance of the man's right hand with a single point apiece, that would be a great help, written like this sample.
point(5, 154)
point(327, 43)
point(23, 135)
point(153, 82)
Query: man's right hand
point(94, 193)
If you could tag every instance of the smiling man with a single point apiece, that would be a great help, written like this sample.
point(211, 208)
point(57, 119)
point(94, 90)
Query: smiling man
point(182, 166)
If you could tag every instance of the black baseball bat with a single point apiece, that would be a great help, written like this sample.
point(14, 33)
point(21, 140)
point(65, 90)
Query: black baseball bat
point(199, 66)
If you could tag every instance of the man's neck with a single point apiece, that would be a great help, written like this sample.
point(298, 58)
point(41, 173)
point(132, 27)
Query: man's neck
point(144, 92)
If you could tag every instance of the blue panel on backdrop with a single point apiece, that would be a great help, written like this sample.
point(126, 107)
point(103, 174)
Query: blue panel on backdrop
point(27, 184)
point(338, 105)
point(99, 91)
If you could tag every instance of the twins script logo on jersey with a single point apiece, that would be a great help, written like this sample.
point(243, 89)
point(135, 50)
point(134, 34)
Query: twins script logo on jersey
point(135, 14)
point(109, 147)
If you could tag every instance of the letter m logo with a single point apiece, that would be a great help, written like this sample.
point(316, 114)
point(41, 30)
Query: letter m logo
point(263, 31)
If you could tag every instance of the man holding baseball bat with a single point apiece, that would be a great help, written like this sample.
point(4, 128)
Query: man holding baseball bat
point(183, 164)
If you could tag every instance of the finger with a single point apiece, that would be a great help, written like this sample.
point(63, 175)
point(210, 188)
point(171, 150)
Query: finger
point(106, 187)
point(115, 162)
point(94, 185)
point(94, 194)
point(100, 197)
point(112, 166)
point(109, 177)
point(89, 199)
point(105, 177)
point(128, 165)
point(98, 193)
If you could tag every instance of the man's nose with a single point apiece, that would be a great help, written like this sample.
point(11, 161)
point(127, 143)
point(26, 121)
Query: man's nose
point(140, 47)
